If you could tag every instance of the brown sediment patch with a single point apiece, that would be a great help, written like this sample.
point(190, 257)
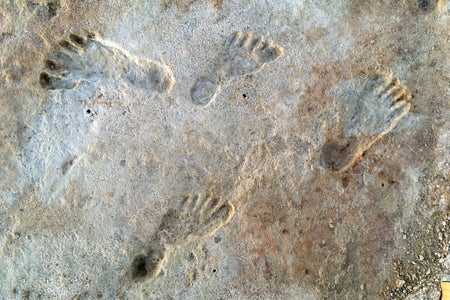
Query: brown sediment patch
point(185, 5)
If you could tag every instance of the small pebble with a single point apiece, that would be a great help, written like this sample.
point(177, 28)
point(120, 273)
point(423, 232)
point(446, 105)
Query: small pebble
point(400, 283)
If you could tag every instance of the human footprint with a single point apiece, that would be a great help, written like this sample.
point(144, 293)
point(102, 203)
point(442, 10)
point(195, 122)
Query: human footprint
point(90, 58)
point(198, 218)
point(247, 54)
point(381, 104)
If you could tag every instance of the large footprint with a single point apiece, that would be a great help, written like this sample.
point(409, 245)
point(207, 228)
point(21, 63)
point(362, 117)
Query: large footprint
point(90, 58)
point(247, 54)
point(382, 103)
point(198, 218)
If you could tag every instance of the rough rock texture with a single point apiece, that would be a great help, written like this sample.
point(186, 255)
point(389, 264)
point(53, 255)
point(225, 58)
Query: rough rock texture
point(196, 149)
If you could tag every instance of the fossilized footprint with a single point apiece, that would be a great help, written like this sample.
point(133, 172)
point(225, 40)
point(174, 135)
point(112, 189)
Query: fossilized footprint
point(90, 58)
point(247, 54)
point(198, 218)
point(382, 102)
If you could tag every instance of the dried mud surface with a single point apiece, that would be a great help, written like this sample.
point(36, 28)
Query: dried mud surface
point(289, 182)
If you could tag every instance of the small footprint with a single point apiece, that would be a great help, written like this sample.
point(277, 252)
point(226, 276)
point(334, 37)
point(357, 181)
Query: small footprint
point(247, 54)
point(198, 218)
point(378, 108)
point(90, 58)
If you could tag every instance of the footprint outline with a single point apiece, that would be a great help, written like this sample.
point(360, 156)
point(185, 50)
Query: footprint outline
point(91, 58)
point(247, 54)
point(198, 217)
point(381, 104)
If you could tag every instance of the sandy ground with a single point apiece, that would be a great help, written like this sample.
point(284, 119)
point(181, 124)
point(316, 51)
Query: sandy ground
point(194, 149)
